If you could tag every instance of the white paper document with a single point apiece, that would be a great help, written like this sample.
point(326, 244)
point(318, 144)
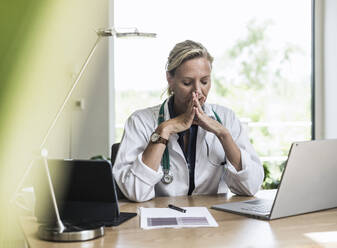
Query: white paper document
point(152, 218)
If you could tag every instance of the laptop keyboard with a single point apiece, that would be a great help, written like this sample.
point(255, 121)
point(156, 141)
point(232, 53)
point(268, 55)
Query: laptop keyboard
point(259, 206)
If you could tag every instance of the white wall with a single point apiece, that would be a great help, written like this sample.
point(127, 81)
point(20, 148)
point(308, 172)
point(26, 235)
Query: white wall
point(326, 69)
point(330, 68)
point(92, 124)
point(319, 69)
point(88, 130)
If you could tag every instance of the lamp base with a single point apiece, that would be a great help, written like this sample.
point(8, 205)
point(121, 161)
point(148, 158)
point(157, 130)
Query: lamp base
point(71, 233)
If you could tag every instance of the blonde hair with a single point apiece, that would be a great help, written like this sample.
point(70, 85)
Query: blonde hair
point(183, 51)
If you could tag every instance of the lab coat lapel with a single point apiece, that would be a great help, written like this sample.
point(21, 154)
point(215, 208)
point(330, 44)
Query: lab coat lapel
point(174, 145)
point(203, 134)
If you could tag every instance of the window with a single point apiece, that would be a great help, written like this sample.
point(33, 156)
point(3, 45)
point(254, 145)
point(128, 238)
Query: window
point(262, 65)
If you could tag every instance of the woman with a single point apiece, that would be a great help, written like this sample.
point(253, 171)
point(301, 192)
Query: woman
point(186, 146)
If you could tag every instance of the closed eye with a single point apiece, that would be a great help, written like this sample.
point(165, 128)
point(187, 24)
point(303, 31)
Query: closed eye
point(205, 80)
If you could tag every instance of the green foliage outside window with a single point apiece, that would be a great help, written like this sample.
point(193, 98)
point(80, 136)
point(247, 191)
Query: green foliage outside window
point(262, 89)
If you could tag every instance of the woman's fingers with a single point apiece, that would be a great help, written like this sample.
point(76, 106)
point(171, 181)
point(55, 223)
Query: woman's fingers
point(198, 105)
point(196, 116)
point(204, 121)
point(185, 120)
point(193, 115)
point(189, 108)
point(196, 102)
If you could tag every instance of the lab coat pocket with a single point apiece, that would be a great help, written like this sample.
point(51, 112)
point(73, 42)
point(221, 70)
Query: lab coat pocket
point(215, 153)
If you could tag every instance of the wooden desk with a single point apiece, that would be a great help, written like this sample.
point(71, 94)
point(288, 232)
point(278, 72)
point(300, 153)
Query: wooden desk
point(233, 231)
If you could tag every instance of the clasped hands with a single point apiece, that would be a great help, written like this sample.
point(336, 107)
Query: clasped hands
point(194, 115)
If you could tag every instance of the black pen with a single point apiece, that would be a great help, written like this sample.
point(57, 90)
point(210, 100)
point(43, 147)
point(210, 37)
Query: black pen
point(177, 208)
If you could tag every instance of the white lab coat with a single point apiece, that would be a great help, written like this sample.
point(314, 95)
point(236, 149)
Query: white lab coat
point(140, 183)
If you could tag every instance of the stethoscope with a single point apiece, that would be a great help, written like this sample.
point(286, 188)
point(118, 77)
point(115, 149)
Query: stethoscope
point(165, 161)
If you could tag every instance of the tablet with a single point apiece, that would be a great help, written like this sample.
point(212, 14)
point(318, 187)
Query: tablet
point(85, 192)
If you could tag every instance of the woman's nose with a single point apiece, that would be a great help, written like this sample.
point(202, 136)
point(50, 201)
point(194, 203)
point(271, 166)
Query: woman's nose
point(197, 88)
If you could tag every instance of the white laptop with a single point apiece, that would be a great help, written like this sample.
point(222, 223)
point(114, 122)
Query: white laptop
point(308, 184)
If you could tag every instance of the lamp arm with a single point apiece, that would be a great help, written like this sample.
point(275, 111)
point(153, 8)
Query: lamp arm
point(100, 33)
point(78, 77)
point(57, 116)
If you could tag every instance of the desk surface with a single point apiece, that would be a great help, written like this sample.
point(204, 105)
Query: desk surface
point(309, 230)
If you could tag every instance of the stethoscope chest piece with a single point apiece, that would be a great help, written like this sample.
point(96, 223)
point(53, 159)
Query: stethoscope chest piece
point(167, 178)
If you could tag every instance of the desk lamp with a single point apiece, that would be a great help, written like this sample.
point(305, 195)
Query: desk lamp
point(60, 231)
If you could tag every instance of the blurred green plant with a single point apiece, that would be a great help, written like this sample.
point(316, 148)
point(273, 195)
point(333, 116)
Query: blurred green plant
point(272, 180)
point(268, 181)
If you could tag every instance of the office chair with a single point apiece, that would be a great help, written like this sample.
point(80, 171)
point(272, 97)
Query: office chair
point(114, 150)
